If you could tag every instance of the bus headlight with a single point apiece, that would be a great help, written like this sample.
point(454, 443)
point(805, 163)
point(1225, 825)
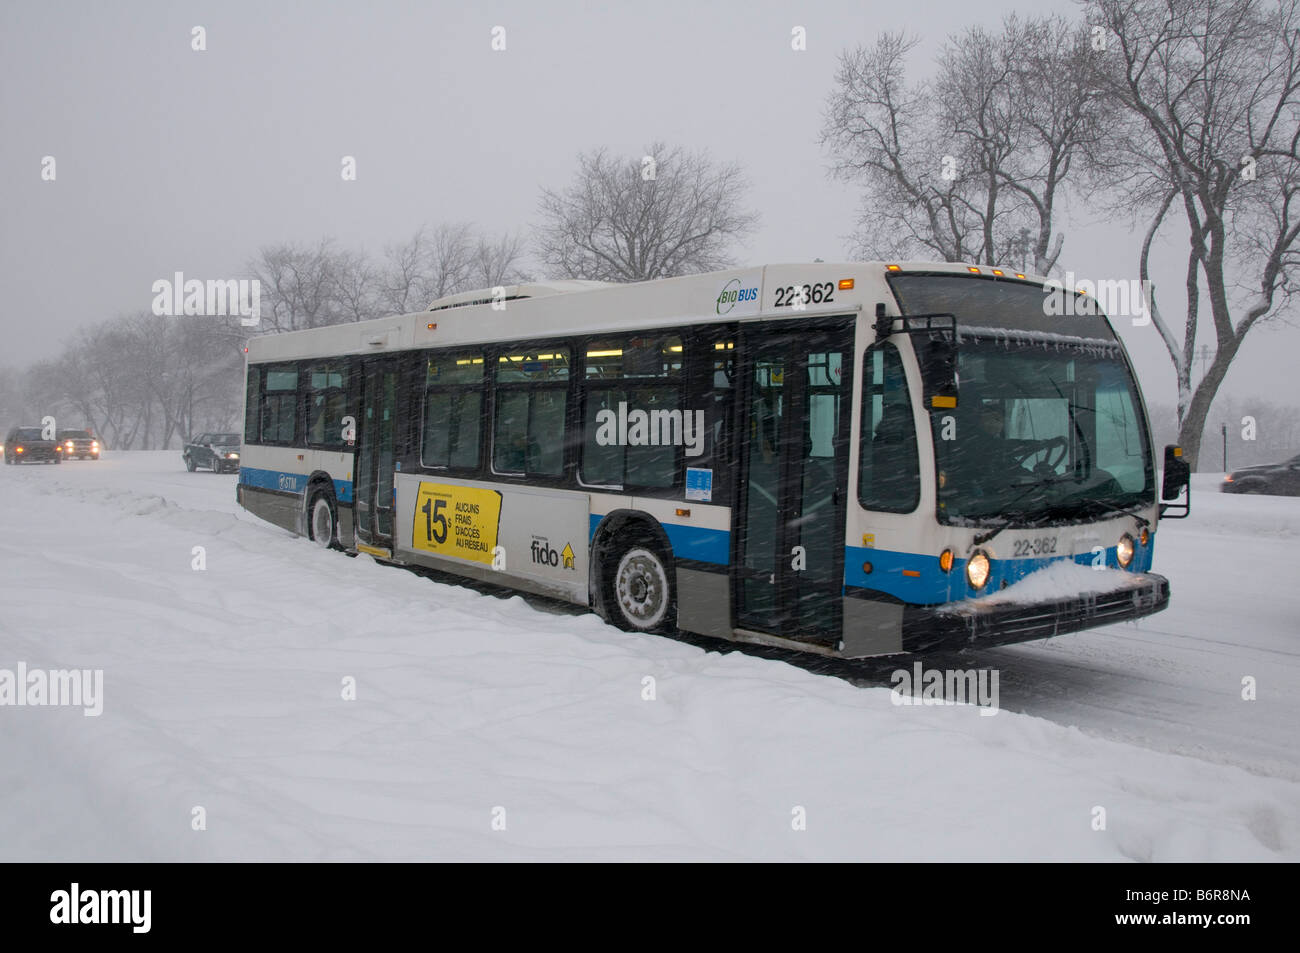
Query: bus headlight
point(977, 571)
point(1124, 550)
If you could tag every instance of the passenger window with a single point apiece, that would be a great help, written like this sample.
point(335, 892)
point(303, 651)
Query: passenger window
point(635, 428)
point(889, 473)
point(280, 406)
point(327, 405)
point(453, 408)
point(531, 407)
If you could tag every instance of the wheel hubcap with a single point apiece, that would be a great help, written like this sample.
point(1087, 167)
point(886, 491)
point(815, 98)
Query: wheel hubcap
point(322, 524)
point(641, 586)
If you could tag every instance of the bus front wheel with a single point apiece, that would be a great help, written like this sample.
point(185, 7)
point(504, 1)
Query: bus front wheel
point(639, 590)
point(323, 526)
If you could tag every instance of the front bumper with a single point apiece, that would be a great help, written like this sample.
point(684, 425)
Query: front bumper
point(987, 622)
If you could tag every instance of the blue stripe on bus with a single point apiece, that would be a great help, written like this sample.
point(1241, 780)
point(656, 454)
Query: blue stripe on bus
point(284, 482)
point(934, 586)
point(688, 542)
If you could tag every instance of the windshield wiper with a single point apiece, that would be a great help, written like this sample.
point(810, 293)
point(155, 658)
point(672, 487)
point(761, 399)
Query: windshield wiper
point(983, 538)
point(1114, 508)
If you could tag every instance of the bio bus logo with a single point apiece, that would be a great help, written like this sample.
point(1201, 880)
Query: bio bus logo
point(732, 293)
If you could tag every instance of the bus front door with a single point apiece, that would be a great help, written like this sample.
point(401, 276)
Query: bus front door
point(375, 433)
point(790, 518)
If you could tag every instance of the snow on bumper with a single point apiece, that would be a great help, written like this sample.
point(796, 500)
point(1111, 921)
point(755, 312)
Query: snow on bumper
point(1001, 620)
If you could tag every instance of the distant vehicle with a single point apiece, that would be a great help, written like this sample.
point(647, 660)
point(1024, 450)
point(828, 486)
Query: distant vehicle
point(217, 451)
point(79, 444)
point(24, 444)
point(1278, 479)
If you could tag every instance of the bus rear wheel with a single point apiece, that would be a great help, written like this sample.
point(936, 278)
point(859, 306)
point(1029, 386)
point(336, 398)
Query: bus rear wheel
point(638, 588)
point(323, 523)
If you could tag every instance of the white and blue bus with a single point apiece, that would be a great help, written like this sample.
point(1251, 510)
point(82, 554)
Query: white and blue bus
point(853, 460)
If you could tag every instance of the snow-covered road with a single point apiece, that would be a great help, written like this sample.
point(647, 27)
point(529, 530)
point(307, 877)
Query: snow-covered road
point(483, 728)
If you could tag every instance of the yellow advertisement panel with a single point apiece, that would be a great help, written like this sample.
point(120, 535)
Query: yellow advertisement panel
point(457, 521)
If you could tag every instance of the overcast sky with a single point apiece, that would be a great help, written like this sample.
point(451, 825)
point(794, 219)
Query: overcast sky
point(174, 160)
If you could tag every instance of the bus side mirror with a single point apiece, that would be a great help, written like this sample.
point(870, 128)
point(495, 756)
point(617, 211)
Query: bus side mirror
point(939, 373)
point(1178, 477)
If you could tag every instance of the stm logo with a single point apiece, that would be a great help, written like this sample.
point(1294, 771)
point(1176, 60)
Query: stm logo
point(733, 294)
point(544, 554)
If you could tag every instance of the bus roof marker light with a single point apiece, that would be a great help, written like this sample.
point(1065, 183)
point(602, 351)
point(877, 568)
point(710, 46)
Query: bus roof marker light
point(999, 272)
point(972, 269)
point(1019, 275)
point(432, 325)
point(893, 267)
point(846, 284)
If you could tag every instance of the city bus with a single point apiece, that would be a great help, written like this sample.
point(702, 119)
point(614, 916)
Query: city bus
point(847, 459)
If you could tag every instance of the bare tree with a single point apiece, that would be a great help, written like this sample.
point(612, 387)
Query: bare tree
point(1205, 99)
point(310, 286)
point(669, 212)
point(972, 165)
point(430, 264)
point(498, 262)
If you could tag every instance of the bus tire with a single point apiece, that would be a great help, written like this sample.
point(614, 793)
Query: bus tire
point(639, 592)
point(323, 520)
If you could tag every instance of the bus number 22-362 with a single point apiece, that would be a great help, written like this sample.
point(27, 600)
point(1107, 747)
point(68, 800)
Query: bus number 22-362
point(793, 295)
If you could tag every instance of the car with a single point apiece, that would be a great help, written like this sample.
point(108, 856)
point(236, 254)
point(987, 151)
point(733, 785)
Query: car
point(217, 451)
point(79, 444)
point(1279, 479)
point(25, 444)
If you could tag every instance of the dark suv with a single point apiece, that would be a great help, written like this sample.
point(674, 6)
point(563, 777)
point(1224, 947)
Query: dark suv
point(25, 443)
point(1279, 479)
point(79, 444)
point(219, 451)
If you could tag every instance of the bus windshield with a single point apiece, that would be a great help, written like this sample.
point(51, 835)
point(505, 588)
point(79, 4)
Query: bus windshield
point(1040, 434)
point(1047, 426)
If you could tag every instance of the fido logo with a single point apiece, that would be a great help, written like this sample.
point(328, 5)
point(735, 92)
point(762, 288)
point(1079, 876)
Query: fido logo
point(544, 554)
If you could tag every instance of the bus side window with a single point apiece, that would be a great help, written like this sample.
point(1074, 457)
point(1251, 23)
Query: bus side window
point(889, 474)
point(251, 396)
point(326, 404)
point(531, 408)
point(280, 405)
point(453, 406)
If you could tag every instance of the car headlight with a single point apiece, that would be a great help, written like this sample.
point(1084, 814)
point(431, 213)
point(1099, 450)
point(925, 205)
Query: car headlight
point(1124, 550)
point(977, 570)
